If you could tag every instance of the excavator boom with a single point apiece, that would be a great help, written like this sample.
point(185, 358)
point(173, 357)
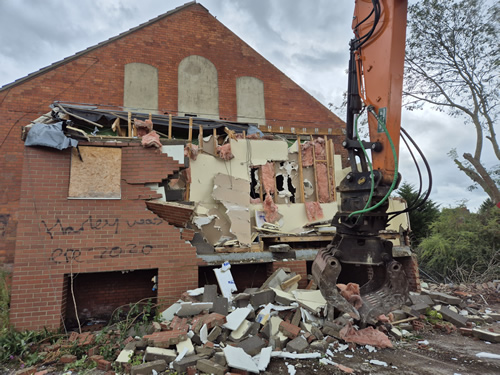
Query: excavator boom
point(357, 254)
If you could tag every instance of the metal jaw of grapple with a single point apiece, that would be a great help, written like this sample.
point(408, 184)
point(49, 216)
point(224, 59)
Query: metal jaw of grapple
point(387, 289)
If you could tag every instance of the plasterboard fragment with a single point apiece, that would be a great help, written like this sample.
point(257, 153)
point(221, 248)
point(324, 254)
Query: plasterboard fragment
point(260, 150)
point(226, 282)
point(234, 320)
point(200, 221)
point(264, 358)
point(233, 194)
point(237, 358)
point(174, 151)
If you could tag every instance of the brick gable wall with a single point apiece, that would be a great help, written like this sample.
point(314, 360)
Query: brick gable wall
point(97, 78)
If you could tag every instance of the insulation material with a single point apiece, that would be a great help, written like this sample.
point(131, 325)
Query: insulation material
point(319, 149)
point(322, 179)
point(307, 154)
point(271, 210)
point(152, 139)
point(233, 194)
point(98, 175)
point(313, 211)
point(191, 151)
point(259, 151)
point(351, 293)
point(143, 127)
point(224, 152)
point(255, 201)
point(366, 336)
point(268, 181)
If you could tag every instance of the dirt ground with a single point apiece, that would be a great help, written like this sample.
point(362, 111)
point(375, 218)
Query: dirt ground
point(446, 354)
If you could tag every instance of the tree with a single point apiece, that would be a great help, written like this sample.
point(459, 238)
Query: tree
point(463, 246)
point(452, 63)
point(421, 218)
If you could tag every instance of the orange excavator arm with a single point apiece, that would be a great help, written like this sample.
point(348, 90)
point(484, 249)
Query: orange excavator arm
point(357, 253)
point(380, 63)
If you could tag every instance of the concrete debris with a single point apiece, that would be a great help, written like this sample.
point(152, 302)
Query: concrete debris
point(267, 322)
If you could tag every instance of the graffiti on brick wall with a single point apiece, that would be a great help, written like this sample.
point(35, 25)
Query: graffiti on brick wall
point(59, 255)
point(4, 220)
point(93, 224)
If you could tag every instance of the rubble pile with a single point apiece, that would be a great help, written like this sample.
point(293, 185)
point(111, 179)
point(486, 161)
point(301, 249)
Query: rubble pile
point(205, 332)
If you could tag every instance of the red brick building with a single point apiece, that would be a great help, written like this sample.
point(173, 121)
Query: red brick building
point(163, 66)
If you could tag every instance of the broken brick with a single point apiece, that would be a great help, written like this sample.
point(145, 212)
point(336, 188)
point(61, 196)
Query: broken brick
point(289, 330)
point(165, 339)
point(67, 358)
point(103, 365)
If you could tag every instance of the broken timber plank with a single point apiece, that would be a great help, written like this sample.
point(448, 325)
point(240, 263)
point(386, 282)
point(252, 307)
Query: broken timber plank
point(288, 283)
point(129, 122)
point(169, 126)
point(316, 190)
point(301, 172)
point(190, 136)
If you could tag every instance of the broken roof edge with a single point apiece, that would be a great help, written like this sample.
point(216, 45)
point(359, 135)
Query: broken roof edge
point(96, 46)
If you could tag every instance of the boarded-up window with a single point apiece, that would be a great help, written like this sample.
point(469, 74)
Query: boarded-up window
point(250, 100)
point(198, 88)
point(140, 92)
point(98, 176)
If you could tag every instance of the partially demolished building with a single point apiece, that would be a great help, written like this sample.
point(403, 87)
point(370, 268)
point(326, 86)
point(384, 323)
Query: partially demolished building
point(194, 151)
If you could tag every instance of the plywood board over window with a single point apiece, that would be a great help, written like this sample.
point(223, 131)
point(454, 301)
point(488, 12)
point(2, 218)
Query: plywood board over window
point(98, 176)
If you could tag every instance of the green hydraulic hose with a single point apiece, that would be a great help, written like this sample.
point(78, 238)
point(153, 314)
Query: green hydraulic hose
point(394, 181)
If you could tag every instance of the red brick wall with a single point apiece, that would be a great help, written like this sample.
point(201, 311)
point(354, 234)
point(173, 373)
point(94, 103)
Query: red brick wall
point(57, 236)
point(97, 77)
point(410, 266)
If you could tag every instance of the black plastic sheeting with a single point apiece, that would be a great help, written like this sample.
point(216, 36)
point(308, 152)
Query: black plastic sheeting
point(180, 124)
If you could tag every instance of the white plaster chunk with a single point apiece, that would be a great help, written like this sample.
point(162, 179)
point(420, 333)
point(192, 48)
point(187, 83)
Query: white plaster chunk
point(200, 221)
point(275, 322)
point(186, 344)
point(286, 355)
point(124, 356)
point(196, 292)
point(237, 358)
point(181, 354)
point(169, 313)
point(204, 334)
point(238, 333)
point(285, 295)
point(264, 358)
point(190, 308)
point(234, 320)
point(311, 299)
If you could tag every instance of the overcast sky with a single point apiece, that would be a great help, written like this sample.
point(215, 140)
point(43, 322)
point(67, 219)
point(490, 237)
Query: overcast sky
point(307, 40)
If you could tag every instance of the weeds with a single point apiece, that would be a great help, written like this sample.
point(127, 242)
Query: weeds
point(4, 302)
